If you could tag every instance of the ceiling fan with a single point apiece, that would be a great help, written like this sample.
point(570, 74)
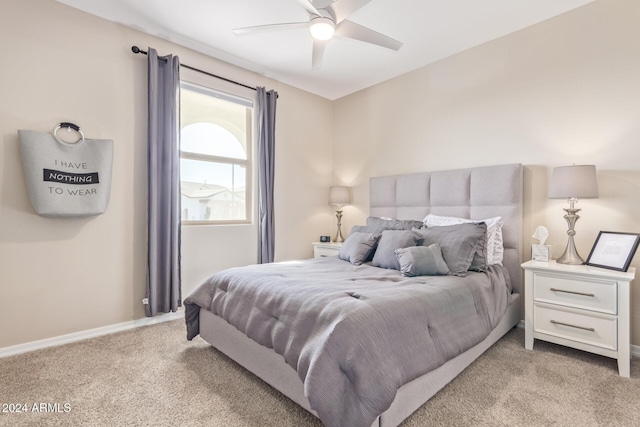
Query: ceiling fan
point(325, 21)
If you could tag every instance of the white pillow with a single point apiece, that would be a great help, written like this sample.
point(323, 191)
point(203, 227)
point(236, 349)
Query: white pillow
point(493, 239)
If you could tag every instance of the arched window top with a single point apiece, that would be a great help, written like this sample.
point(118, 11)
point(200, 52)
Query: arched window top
point(211, 139)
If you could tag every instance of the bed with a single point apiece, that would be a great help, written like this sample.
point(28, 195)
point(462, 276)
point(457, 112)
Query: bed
point(475, 193)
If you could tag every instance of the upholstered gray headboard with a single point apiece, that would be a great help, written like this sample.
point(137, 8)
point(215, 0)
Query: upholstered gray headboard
point(474, 193)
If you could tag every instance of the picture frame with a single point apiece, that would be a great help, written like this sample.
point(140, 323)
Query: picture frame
point(613, 250)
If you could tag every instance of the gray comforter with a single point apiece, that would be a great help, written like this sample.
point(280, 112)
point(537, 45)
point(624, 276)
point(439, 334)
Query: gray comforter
point(354, 334)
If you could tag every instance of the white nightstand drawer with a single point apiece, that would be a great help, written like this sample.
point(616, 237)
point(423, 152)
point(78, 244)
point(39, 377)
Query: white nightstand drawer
point(585, 293)
point(321, 250)
point(599, 331)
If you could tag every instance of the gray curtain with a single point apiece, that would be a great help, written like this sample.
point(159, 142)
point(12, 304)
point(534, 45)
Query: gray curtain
point(266, 115)
point(163, 162)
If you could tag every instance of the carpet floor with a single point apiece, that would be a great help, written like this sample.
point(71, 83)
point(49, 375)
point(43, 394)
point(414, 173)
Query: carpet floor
point(153, 376)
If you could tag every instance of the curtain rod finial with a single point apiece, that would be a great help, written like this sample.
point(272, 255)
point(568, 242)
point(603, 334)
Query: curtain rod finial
point(135, 49)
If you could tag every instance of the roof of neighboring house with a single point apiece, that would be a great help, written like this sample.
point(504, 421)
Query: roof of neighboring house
point(197, 190)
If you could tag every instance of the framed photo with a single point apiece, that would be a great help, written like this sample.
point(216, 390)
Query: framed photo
point(613, 250)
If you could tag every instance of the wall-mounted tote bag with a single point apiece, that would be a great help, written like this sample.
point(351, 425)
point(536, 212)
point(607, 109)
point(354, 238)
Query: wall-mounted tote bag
point(66, 179)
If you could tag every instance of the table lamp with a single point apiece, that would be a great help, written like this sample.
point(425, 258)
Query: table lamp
point(573, 183)
point(339, 196)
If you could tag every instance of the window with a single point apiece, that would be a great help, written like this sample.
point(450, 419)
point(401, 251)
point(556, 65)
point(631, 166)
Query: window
point(215, 156)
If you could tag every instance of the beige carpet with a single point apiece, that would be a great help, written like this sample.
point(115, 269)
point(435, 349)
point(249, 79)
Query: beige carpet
point(152, 376)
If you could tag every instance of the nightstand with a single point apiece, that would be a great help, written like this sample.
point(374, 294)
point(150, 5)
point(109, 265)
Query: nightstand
point(321, 249)
point(579, 306)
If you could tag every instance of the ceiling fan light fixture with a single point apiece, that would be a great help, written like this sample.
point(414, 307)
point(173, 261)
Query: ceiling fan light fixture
point(322, 28)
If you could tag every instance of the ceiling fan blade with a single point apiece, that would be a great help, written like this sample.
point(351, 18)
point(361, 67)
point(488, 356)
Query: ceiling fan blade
point(311, 9)
point(354, 31)
point(318, 53)
point(270, 27)
point(343, 8)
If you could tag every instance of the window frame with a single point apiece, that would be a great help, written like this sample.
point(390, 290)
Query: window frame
point(246, 163)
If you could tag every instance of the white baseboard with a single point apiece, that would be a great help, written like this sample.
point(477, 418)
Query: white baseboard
point(91, 333)
point(635, 349)
point(105, 330)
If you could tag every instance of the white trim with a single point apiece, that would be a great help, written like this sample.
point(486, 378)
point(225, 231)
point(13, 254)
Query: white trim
point(91, 333)
point(246, 102)
point(119, 327)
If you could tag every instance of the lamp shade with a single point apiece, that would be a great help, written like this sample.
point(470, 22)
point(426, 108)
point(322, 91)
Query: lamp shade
point(577, 181)
point(339, 195)
point(322, 28)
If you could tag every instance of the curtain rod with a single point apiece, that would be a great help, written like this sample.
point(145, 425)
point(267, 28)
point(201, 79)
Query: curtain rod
point(136, 49)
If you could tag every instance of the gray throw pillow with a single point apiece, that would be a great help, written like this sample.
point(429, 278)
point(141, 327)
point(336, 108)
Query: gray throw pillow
point(480, 258)
point(364, 229)
point(392, 224)
point(357, 247)
point(459, 243)
point(422, 261)
point(370, 230)
point(385, 257)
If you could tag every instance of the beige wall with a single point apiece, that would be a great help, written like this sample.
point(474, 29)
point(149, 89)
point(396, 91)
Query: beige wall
point(62, 276)
point(561, 92)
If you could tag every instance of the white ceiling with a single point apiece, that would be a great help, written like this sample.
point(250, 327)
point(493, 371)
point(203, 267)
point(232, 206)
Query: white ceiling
point(430, 30)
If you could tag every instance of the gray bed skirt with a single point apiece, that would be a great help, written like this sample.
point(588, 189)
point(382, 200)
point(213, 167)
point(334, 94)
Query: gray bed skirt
point(271, 367)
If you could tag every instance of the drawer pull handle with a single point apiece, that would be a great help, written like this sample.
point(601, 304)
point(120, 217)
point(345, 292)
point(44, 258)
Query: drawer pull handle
point(573, 326)
point(573, 292)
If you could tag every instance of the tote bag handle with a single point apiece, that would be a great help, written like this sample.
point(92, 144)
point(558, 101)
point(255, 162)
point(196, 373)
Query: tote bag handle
point(69, 126)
